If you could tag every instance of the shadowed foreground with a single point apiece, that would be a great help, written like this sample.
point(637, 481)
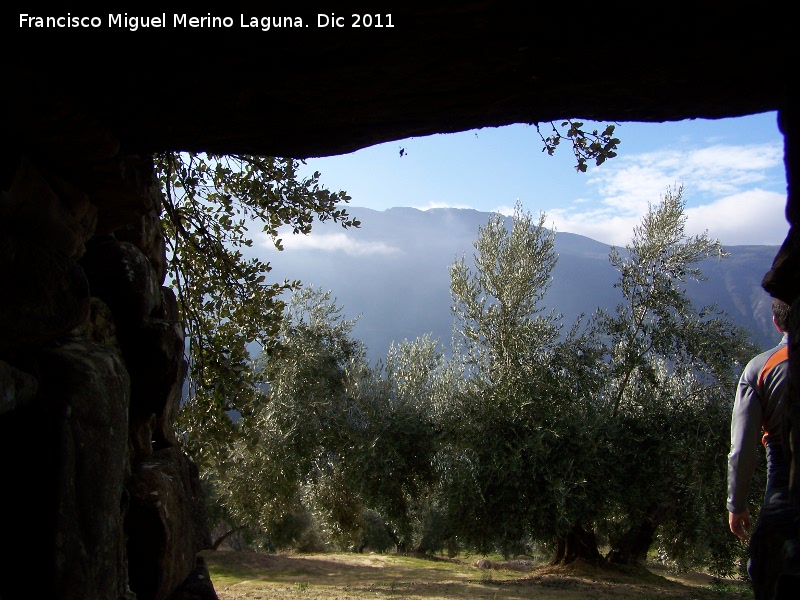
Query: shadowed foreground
point(348, 576)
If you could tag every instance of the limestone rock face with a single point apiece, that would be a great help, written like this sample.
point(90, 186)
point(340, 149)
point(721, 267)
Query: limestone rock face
point(165, 505)
point(120, 275)
point(16, 388)
point(66, 219)
point(65, 497)
point(99, 501)
point(147, 235)
point(50, 293)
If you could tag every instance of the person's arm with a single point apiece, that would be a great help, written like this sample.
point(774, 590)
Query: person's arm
point(745, 437)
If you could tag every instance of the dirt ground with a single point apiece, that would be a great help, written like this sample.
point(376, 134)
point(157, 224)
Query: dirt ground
point(240, 575)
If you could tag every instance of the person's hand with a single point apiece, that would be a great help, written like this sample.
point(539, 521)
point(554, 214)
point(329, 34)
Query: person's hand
point(740, 524)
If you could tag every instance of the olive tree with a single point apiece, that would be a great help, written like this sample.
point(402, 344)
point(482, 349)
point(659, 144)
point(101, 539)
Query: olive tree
point(672, 374)
point(616, 427)
point(294, 434)
point(512, 470)
point(394, 447)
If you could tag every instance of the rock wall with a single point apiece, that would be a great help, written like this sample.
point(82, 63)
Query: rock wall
point(99, 501)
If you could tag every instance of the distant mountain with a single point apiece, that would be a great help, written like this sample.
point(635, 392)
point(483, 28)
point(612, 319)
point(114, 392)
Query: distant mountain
point(394, 272)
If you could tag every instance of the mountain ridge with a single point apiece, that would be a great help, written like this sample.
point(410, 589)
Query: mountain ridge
point(392, 273)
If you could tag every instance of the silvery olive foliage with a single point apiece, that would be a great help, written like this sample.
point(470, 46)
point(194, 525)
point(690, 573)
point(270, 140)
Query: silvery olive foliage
point(673, 369)
point(614, 432)
point(610, 431)
point(519, 435)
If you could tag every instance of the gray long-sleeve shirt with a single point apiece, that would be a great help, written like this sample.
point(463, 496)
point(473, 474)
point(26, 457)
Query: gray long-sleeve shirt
point(746, 422)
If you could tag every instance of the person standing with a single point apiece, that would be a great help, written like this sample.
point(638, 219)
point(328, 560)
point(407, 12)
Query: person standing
point(759, 416)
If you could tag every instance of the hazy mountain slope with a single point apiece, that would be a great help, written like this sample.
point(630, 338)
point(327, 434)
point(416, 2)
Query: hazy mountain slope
point(394, 272)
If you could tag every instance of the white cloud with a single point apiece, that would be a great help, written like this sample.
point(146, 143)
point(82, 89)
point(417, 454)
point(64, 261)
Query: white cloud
point(751, 217)
point(629, 188)
point(598, 225)
point(331, 242)
point(504, 210)
point(433, 204)
point(719, 188)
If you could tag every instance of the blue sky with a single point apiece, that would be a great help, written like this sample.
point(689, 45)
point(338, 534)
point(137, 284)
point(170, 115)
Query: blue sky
point(732, 173)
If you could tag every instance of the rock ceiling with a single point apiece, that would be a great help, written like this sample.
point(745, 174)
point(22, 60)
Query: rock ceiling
point(314, 91)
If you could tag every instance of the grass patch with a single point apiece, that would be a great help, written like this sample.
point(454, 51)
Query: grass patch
point(240, 575)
